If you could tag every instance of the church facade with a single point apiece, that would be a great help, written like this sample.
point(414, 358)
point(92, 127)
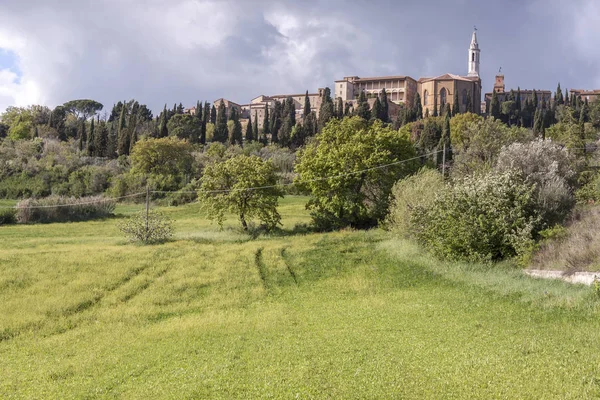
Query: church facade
point(435, 92)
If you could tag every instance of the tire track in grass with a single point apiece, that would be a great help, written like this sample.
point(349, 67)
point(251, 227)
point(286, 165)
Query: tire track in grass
point(260, 266)
point(288, 265)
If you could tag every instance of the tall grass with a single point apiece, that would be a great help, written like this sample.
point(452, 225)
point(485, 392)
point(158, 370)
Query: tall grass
point(217, 314)
point(63, 209)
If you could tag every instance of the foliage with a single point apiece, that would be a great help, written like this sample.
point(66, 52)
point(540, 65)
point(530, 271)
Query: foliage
point(153, 227)
point(164, 156)
point(228, 187)
point(8, 216)
point(485, 218)
point(63, 209)
point(482, 142)
point(83, 108)
point(550, 168)
point(185, 126)
point(458, 128)
point(408, 193)
point(338, 169)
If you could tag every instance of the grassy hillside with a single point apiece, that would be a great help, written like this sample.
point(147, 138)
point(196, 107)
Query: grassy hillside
point(215, 314)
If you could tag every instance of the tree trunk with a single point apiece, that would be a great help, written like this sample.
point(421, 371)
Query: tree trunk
point(243, 221)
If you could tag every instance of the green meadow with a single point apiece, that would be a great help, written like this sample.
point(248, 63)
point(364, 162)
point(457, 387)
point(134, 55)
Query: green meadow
point(218, 314)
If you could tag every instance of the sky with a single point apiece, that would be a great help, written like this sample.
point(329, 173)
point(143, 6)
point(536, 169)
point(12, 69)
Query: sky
point(165, 52)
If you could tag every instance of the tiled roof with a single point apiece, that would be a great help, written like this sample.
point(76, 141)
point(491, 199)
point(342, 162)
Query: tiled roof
point(450, 77)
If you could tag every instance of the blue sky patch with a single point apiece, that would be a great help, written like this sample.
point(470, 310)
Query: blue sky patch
point(8, 60)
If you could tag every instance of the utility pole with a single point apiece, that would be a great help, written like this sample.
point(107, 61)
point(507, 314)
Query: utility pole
point(444, 160)
point(147, 209)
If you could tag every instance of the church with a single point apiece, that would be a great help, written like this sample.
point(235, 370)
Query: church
point(435, 92)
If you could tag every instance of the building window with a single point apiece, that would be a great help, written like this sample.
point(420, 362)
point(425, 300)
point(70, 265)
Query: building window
point(425, 98)
point(443, 97)
point(464, 96)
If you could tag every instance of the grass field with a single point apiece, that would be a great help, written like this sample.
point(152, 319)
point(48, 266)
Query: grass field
point(216, 314)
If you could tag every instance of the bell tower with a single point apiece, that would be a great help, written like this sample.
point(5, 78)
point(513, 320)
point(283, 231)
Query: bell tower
point(474, 55)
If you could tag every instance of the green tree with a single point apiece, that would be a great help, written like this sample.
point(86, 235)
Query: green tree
point(229, 187)
point(534, 100)
point(213, 115)
point(82, 135)
point(266, 123)
point(276, 121)
point(236, 136)
point(163, 130)
point(376, 110)
point(184, 126)
point(459, 127)
point(164, 157)
point(495, 106)
point(385, 107)
point(417, 106)
point(470, 102)
point(83, 108)
point(326, 112)
point(558, 96)
point(122, 133)
point(255, 126)
point(101, 140)
point(307, 107)
point(363, 110)
point(338, 170)
point(455, 104)
point(339, 110)
point(91, 140)
point(221, 133)
point(249, 131)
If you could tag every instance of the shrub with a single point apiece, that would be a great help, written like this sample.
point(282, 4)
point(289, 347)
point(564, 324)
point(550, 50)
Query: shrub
point(479, 219)
point(153, 228)
point(186, 195)
point(63, 209)
point(551, 168)
point(408, 193)
point(8, 216)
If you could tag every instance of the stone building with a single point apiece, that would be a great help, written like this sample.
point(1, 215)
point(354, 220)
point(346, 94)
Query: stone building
point(589, 95)
point(434, 92)
point(256, 108)
point(526, 94)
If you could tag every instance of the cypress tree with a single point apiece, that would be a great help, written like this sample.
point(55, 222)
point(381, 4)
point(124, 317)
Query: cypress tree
point(427, 113)
point(573, 101)
point(455, 104)
point(163, 131)
point(566, 99)
point(385, 107)
point(435, 107)
point(249, 131)
point(495, 106)
point(447, 110)
point(221, 133)
point(255, 126)
point(534, 100)
point(82, 136)
point(469, 102)
point(205, 119)
point(276, 121)
point(123, 141)
point(518, 100)
point(326, 111)
point(417, 106)
point(340, 108)
point(376, 110)
point(91, 142)
point(266, 123)
point(363, 110)
point(236, 134)
point(558, 96)
point(213, 115)
point(101, 144)
point(180, 109)
point(307, 108)
point(346, 109)
point(291, 110)
point(198, 111)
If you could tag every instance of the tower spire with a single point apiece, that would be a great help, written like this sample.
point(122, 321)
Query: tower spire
point(474, 55)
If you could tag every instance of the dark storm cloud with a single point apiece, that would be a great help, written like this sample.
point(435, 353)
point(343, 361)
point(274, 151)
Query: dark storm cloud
point(184, 50)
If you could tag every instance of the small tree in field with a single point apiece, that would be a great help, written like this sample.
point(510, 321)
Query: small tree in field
point(242, 185)
point(147, 227)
